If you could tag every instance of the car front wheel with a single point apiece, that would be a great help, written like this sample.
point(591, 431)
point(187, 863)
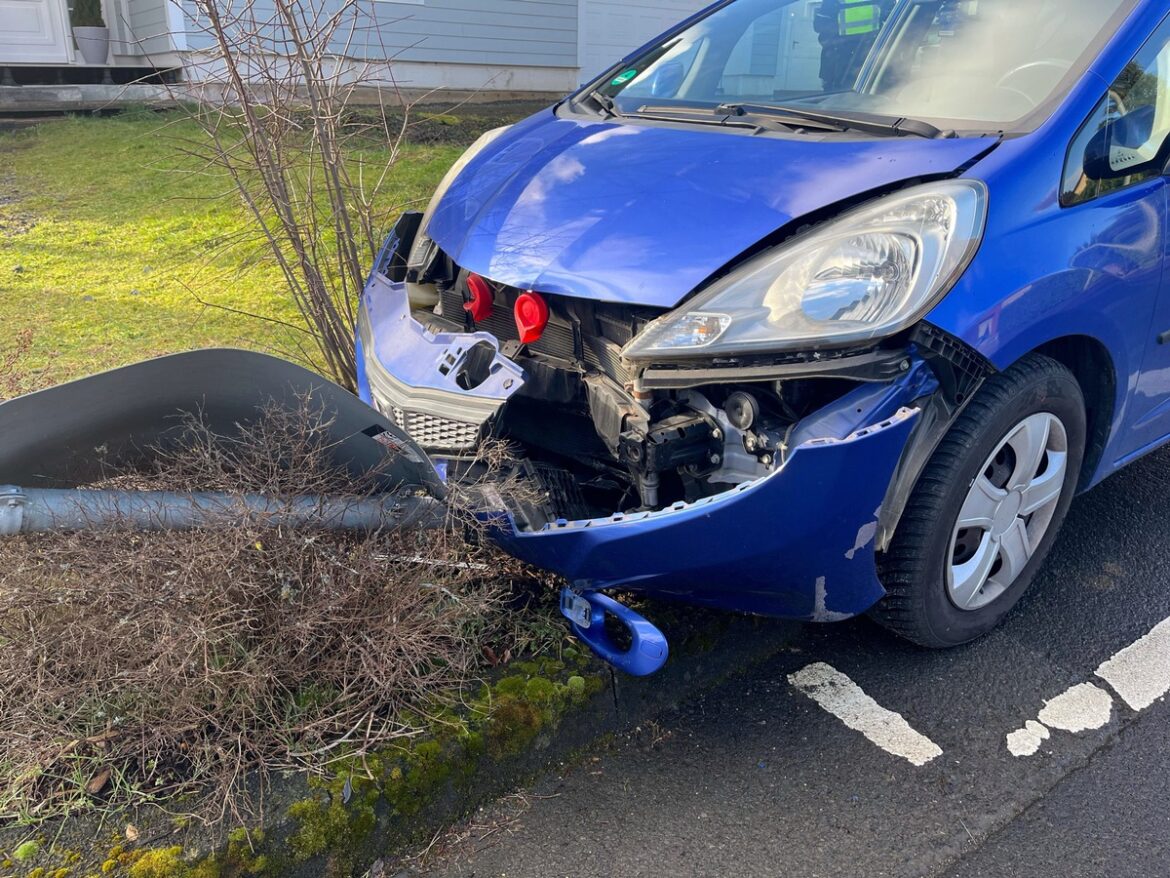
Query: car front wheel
point(987, 508)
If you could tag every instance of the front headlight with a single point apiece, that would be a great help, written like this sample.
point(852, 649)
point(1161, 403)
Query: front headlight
point(864, 276)
point(422, 241)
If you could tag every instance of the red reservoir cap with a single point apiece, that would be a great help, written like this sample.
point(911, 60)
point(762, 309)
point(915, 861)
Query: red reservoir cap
point(531, 316)
point(480, 306)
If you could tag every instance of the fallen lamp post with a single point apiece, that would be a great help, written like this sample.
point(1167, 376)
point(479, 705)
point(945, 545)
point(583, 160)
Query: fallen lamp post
point(49, 510)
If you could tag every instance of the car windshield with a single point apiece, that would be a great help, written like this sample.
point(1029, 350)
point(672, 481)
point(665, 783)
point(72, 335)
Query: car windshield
point(965, 64)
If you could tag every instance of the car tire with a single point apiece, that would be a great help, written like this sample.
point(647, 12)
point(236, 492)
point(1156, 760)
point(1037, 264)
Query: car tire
point(933, 567)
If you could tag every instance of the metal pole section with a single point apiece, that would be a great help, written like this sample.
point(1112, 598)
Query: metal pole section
point(34, 511)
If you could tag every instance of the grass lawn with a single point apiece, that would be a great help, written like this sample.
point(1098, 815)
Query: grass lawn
point(109, 239)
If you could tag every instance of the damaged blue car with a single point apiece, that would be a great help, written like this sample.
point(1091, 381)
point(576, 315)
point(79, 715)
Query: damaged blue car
point(805, 309)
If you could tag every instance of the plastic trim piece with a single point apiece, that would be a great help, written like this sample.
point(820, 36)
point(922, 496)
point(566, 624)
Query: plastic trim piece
point(417, 372)
point(648, 650)
point(78, 433)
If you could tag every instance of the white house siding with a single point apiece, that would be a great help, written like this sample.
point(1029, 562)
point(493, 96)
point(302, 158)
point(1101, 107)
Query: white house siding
point(485, 48)
point(610, 29)
point(507, 46)
point(146, 27)
point(497, 47)
point(520, 33)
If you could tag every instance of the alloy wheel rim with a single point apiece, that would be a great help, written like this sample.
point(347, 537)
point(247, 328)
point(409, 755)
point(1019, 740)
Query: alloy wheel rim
point(1007, 512)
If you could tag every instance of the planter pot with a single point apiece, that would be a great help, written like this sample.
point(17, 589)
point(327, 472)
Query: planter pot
point(93, 43)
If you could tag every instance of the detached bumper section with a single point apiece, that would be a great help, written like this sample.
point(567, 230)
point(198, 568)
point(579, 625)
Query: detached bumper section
point(647, 650)
point(797, 544)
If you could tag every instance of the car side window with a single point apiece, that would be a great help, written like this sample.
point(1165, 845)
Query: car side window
point(671, 72)
point(1140, 99)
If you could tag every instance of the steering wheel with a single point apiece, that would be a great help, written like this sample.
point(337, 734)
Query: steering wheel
point(1058, 64)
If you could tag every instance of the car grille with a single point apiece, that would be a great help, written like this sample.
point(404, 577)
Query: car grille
point(432, 432)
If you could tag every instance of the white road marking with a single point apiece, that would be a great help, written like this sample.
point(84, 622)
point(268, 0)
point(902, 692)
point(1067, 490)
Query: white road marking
point(1026, 741)
point(843, 698)
point(1078, 709)
point(1140, 673)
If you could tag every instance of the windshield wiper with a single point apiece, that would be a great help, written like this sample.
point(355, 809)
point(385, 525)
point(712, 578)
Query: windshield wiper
point(869, 123)
point(759, 115)
point(604, 102)
point(730, 117)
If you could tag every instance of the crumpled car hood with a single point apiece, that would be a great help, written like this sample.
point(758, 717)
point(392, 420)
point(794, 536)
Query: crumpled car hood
point(643, 214)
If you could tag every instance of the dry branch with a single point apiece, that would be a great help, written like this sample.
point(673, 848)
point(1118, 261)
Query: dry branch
point(274, 105)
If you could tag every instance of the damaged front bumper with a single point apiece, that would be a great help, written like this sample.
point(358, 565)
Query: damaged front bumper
point(797, 542)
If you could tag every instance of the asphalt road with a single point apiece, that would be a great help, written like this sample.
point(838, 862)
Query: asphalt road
point(758, 779)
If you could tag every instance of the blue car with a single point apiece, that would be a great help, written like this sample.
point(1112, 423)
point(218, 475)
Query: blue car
point(804, 309)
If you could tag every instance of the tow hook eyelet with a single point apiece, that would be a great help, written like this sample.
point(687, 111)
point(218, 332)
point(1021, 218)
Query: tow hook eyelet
point(648, 648)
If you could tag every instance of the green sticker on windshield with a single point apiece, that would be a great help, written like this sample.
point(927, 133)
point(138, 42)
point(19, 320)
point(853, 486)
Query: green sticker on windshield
point(623, 78)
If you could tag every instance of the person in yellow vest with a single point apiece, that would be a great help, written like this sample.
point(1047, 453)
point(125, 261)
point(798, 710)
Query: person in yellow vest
point(847, 30)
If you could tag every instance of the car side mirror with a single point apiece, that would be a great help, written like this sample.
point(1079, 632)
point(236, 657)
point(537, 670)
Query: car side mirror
point(1127, 145)
point(668, 79)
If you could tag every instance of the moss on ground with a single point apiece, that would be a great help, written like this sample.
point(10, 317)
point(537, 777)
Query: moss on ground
point(500, 724)
point(333, 827)
point(335, 822)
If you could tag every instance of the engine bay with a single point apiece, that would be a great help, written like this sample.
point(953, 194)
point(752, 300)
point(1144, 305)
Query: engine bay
point(600, 438)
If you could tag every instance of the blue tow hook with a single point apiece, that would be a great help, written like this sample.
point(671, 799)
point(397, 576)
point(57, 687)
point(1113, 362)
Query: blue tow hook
point(648, 648)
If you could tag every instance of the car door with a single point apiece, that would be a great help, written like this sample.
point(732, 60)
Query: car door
point(1140, 94)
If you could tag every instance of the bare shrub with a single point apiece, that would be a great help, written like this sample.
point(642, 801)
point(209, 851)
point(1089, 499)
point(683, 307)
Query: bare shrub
point(144, 664)
point(274, 96)
point(285, 451)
